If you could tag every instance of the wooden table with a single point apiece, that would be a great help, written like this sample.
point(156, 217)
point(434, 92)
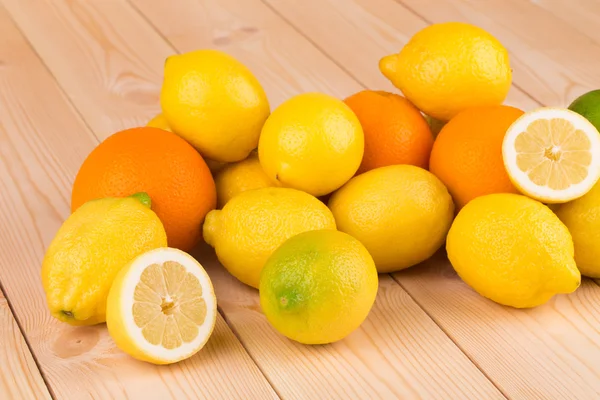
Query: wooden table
point(72, 72)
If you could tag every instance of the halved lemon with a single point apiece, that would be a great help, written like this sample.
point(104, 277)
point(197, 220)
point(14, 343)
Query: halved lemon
point(552, 154)
point(161, 307)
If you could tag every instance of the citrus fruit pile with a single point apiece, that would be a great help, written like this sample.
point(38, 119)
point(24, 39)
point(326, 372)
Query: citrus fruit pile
point(309, 201)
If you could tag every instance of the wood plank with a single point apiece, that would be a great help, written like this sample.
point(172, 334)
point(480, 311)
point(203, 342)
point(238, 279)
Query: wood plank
point(549, 352)
point(43, 142)
point(19, 376)
point(348, 369)
point(398, 352)
point(552, 61)
point(257, 37)
point(515, 376)
point(368, 30)
point(583, 15)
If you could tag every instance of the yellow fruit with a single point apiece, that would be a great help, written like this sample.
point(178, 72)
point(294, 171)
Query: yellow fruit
point(512, 250)
point(582, 218)
point(448, 67)
point(159, 121)
point(239, 177)
point(318, 286)
point(312, 142)
point(254, 223)
point(88, 251)
point(214, 102)
point(400, 213)
point(162, 307)
point(552, 154)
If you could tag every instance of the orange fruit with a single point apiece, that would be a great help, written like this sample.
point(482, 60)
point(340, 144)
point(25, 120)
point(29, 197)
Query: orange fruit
point(159, 163)
point(395, 131)
point(467, 153)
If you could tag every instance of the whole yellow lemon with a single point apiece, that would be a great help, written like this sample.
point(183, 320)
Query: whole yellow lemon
point(582, 218)
point(88, 251)
point(401, 213)
point(318, 286)
point(512, 250)
point(254, 223)
point(214, 102)
point(448, 67)
point(312, 142)
point(239, 177)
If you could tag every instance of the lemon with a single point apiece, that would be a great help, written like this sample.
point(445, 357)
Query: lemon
point(582, 218)
point(254, 223)
point(159, 121)
point(90, 248)
point(239, 177)
point(513, 250)
point(401, 213)
point(318, 286)
point(214, 102)
point(552, 154)
point(448, 67)
point(312, 142)
point(162, 307)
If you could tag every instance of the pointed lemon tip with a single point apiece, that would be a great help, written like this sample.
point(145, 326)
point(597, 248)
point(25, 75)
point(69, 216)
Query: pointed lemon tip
point(210, 227)
point(567, 282)
point(388, 65)
point(143, 198)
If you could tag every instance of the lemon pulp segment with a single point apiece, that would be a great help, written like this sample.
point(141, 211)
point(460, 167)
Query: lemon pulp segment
point(552, 155)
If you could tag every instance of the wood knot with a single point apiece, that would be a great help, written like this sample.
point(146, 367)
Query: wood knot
point(76, 341)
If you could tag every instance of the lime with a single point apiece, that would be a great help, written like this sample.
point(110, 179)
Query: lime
point(588, 105)
point(318, 286)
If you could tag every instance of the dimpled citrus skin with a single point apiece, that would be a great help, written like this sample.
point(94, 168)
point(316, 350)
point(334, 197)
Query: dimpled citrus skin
point(467, 153)
point(156, 162)
point(254, 223)
point(312, 142)
point(400, 213)
point(512, 250)
point(318, 286)
point(239, 177)
point(214, 102)
point(88, 251)
point(448, 67)
point(395, 131)
point(582, 218)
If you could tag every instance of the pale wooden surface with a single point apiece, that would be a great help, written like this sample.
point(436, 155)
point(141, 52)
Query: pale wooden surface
point(72, 72)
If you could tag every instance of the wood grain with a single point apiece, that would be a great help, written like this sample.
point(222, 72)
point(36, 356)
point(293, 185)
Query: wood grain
point(398, 352)
point(43, 141)
point(347, 369)
point(583, 15)
point(363, 32)
point(19, 376)
point(480, 342)
point(552, 61)
point(285, 62)
point(549, 352)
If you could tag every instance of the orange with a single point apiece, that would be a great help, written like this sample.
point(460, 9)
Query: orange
point(159, 163)
point(467, 153)
point(395, 131)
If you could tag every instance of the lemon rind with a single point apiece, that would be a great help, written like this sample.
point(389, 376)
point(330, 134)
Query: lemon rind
point(520, 178)
point(134, 333)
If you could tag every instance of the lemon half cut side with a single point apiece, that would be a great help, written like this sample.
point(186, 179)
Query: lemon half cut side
point(552, 154)
point(162, 307)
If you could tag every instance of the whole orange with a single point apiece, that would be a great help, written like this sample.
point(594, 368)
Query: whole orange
point(395, 131)
point(467, 153)
point(159, 163)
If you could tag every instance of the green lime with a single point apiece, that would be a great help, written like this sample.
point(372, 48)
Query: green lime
point(318, 286)
point(588, 105)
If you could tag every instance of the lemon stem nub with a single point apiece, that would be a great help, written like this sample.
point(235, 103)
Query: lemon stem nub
point(143, 198)
point(67, 314)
